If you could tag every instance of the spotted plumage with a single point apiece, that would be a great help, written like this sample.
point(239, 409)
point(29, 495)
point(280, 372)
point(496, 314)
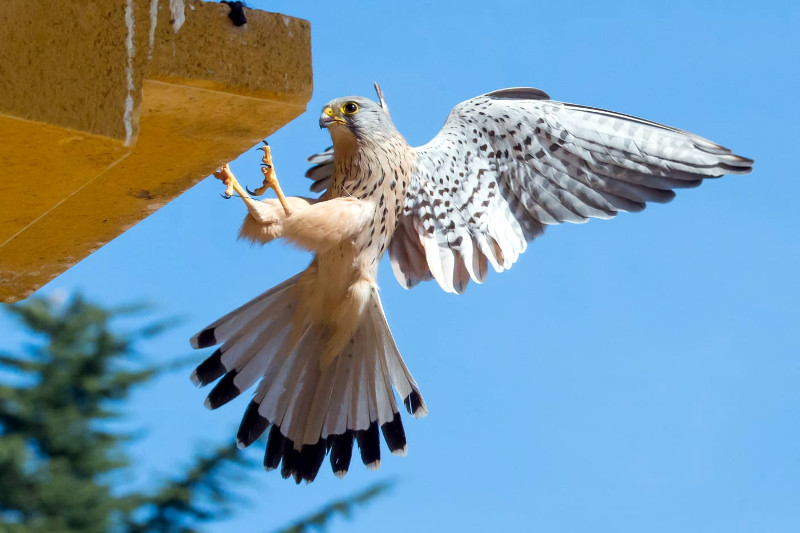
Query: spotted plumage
point(504, 166)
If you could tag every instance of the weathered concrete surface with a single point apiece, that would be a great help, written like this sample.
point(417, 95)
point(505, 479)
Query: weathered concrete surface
point(109, 110)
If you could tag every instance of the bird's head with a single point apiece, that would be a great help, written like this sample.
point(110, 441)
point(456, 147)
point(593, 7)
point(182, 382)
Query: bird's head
point(355, 116)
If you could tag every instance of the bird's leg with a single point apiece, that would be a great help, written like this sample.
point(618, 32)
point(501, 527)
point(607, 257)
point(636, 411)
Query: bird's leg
point(270, 178)
point(231, 183)
point(263, 212)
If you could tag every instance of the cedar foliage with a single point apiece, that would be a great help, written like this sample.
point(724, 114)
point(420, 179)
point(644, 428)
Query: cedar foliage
point(59, 454)
point(61, 460)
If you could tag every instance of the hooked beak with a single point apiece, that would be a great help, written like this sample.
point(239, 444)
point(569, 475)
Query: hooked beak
point(327, 118)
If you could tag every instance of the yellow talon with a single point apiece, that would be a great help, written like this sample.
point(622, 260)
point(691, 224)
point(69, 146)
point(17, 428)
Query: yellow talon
point(226, 176)
point(270, 180)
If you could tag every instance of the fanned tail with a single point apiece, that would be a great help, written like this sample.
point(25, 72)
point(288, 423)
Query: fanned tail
point(313, 411)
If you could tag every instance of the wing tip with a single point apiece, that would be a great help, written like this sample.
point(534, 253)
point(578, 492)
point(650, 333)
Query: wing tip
point(738, 164)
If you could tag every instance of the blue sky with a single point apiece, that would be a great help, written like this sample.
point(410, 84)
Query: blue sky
point(639, 374)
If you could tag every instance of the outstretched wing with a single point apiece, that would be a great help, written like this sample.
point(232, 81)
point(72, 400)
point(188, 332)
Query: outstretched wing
point(510, 162)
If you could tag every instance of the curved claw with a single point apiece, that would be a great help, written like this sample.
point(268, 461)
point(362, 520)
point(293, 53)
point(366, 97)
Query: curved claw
point(266, 165)
point(251, 193)
point(226, 196)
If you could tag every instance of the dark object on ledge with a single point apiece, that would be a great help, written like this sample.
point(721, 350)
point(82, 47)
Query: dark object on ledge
point(237, 13)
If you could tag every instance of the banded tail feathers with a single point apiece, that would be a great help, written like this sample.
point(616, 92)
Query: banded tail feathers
point(312, 410)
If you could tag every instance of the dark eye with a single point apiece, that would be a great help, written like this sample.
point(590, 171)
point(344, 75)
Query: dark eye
point(350, 108)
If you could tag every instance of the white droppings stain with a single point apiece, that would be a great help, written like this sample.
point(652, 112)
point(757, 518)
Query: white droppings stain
point(127, 116)
point(286, 22)
point(176, 8)
point(153, 21)
point(71, 139)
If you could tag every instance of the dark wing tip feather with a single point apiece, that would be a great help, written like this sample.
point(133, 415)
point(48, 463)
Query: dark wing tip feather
point(209, 370)
point(736, 164)
point(369, 443)
point(253, 426)
point(223, 392)
point(735, 169)
point(728, 161)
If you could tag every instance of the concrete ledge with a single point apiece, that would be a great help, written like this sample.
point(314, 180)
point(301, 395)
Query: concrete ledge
point(90, 157)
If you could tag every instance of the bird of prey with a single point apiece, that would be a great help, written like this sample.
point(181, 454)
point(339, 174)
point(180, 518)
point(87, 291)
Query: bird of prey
point(505, 165)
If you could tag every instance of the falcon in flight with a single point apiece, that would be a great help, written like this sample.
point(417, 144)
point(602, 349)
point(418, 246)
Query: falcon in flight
point(504, 166)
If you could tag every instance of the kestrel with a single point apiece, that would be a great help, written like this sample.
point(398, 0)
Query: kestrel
point(504, 166)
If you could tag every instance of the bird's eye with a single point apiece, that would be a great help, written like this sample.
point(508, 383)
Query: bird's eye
point(350, 108)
